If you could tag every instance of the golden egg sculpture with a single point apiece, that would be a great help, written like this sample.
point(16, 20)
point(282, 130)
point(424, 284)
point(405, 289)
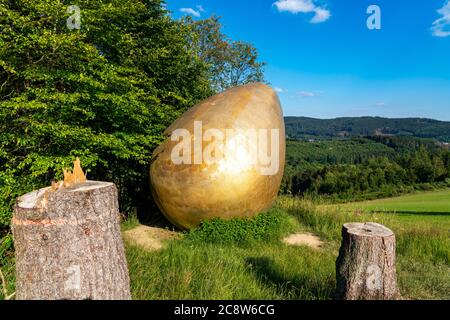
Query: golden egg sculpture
point(223, 158)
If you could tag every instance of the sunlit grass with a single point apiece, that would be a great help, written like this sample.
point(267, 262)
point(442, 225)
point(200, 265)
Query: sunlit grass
point(271, 270)
point(247, 259)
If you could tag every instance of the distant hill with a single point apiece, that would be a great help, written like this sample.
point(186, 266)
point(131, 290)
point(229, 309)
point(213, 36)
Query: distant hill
point(310, 128)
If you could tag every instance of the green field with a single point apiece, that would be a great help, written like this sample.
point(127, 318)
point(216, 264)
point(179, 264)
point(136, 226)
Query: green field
point(437, 202)
point(432, 208)
point(247, 259)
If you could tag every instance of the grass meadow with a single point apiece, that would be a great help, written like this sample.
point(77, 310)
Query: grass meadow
point(202, 266)
point(246, 259)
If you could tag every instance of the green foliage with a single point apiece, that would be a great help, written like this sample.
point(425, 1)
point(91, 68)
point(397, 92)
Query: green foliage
point(104, 93)
point(364, 168)
point(231, 63)
point(7, 266)
point(6, 245)
point(301, 154)
point(130, 222)
point(264, 227)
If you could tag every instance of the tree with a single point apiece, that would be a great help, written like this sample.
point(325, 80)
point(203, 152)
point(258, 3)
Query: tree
point(423, 166)
point(439, 170)
point(104, 92)
point(231, 63)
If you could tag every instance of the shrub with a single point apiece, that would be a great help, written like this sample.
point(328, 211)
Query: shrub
point(263, 227)
point(447, 181)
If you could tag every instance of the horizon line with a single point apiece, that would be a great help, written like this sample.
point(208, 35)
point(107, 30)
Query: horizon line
point(360, 117)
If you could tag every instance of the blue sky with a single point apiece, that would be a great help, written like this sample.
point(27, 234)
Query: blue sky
point(326, 63)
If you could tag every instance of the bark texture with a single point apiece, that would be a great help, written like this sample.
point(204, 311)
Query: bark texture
point(68, 244)
point(365, 268)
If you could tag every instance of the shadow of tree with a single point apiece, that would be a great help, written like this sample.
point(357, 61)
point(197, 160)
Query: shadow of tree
point(300, 287)
point(149, 215)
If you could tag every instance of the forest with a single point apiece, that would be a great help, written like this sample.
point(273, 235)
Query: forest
point(303, 127)
point(365, 168)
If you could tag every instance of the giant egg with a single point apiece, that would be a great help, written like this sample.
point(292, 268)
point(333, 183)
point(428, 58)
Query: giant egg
point(222, 158)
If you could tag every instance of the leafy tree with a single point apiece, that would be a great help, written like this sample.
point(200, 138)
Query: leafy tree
point(423, 166)
point(360, 168)
point(439, 169)
point(104, 92)
point(231, 63)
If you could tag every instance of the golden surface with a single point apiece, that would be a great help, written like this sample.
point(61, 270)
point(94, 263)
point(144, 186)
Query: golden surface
point(190, 193)
point(75, 176)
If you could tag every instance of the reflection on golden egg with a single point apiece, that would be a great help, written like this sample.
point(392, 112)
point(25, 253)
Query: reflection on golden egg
point(223, 158)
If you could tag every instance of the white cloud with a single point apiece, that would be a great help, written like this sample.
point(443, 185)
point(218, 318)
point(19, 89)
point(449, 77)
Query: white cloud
point(280, 90)
point(295, 6)
point(192, 12)
point(441, 27)
point(200, 8)
point(307, 94)
point(321, 15)
point(380, 104)
point(304, 6)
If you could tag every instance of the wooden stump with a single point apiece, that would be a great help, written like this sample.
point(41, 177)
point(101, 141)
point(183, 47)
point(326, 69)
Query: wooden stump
point(68, 244)
point(365, 268)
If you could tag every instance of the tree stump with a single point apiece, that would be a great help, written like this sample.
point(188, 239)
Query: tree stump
point(68, 244)
point(365, 268)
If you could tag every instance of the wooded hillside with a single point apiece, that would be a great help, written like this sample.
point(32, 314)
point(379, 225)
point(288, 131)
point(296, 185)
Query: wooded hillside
point(307, 128)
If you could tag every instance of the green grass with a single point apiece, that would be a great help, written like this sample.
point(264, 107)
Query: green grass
point(208, 271)
point(245, 259)
point(201, 267)
point(235, 259)
point(425, 208)
point(425, 202)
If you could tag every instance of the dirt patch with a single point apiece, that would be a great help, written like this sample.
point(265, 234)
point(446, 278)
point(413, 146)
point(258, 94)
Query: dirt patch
point(304, 239)
point(149, 238)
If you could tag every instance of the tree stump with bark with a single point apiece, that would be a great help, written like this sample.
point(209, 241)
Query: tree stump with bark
point(68, 244)
point(365, 268)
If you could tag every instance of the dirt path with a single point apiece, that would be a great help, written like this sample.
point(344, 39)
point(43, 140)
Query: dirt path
point(149, 238)
point(304, 239)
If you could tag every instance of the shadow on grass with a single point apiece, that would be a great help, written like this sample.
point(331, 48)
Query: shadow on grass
point(300, 287)
point(158, 221)
point(149, 215)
